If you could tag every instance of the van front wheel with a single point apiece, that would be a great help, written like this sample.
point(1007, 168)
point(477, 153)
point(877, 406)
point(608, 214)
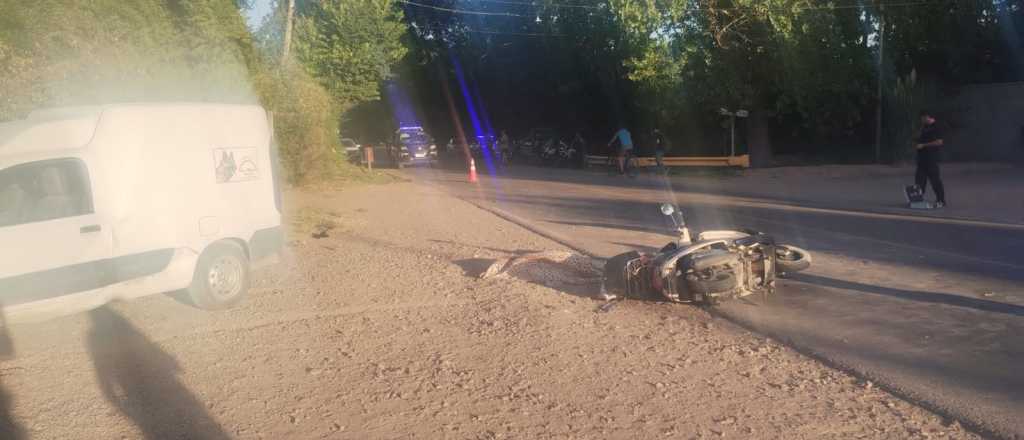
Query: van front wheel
point(221, 279)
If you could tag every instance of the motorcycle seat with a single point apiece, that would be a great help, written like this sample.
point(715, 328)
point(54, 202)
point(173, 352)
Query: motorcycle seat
point(715, 257)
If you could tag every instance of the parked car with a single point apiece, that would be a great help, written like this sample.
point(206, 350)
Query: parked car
point(122, 201)
point(351, 149)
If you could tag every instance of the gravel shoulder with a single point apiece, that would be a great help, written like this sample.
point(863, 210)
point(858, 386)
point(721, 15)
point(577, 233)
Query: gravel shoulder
point(382, 329)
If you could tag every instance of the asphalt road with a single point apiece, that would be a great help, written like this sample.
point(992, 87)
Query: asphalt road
point(931, 309)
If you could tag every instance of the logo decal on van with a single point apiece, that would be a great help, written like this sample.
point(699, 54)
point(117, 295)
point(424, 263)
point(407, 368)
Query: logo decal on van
point(235, 164)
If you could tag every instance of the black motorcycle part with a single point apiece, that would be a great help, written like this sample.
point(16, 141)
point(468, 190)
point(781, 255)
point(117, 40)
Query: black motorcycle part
point(719, 282)
point(615, 279)
point(711, 258)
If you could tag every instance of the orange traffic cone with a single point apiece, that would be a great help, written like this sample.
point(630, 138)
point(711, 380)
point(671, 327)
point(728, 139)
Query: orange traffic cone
point(472, 171)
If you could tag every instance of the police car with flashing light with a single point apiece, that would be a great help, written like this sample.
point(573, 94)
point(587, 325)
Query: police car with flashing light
point(413, 146)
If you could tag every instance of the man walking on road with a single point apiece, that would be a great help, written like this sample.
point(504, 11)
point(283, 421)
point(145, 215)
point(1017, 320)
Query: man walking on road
point(625, 147)
point(927, 146)
point(505, 148)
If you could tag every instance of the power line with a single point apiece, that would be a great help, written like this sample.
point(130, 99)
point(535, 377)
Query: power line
point(906, 3)
point(463, 11)
point(867, 6)
point(896, 4)
point(552, 5)
point(520, 34)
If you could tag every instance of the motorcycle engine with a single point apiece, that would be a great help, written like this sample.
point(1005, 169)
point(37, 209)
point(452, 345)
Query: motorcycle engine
point(709, 275)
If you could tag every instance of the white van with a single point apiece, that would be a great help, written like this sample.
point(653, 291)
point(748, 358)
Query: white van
point(121, 201)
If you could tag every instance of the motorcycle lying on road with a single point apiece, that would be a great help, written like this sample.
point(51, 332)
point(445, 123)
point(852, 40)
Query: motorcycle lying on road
point(718, 265)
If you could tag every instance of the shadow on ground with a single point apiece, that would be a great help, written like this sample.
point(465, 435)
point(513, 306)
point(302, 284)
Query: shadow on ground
point(911, 295)
point(474, 267)
point(9, 428)
point(139, 379)
point(494, 249)
point(540, 272)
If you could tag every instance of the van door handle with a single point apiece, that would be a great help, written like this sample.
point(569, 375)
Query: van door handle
point(88, 229)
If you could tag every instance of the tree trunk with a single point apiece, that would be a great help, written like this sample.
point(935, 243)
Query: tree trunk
point(881, 78)
point(760, 142)
point(288, 31)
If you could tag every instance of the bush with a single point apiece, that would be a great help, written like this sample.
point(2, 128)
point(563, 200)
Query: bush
point(305, 121)
point(59, 52)
point(56, 53)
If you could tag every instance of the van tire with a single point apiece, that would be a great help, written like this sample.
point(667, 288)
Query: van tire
point(221, 279)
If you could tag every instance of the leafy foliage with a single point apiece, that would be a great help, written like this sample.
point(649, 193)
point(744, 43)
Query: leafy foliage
point(58, 52)
point(55, 52)
point(305, 121)
point(808, 69)
point(350, 45)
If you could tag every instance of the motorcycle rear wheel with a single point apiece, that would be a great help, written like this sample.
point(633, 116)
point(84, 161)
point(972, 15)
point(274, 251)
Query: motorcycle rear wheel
point(791, 259)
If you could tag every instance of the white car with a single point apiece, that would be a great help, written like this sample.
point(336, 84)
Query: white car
point(352, 149)
point(122, 201)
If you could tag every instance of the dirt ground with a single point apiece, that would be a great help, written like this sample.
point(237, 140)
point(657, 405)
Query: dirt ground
point(382, 329)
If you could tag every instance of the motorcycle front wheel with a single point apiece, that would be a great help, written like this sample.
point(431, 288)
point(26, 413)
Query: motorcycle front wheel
point(791, 258)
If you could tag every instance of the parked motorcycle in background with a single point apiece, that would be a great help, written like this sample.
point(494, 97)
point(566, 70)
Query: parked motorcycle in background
point(566, 154)
point(548, 152)
point(718, 265)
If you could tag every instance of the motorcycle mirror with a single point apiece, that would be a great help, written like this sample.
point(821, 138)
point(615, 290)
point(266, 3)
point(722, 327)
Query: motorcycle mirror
point(667, 209)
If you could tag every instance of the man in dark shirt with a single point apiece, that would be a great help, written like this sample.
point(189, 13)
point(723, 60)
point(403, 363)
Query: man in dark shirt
point(928, 143)
point(660, 145)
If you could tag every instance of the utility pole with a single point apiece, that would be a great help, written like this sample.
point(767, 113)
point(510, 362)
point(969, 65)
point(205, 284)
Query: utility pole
point(288, 31)
point(881, 78)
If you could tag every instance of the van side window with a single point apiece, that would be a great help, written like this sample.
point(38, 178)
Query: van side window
point(44, 190)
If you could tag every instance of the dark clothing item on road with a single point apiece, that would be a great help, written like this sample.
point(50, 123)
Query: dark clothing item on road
point(928, 162)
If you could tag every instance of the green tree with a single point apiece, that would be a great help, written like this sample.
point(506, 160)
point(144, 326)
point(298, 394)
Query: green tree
point(350, 45)
point(794, 63)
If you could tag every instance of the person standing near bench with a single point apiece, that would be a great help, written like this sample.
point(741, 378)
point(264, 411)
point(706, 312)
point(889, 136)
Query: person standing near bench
point(928, 143)
point(625, 148)
point(660, 145)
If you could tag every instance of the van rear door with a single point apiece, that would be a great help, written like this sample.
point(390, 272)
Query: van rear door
point(53, 241)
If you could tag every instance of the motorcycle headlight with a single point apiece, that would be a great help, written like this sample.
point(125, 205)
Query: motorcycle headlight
point(433, 147)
